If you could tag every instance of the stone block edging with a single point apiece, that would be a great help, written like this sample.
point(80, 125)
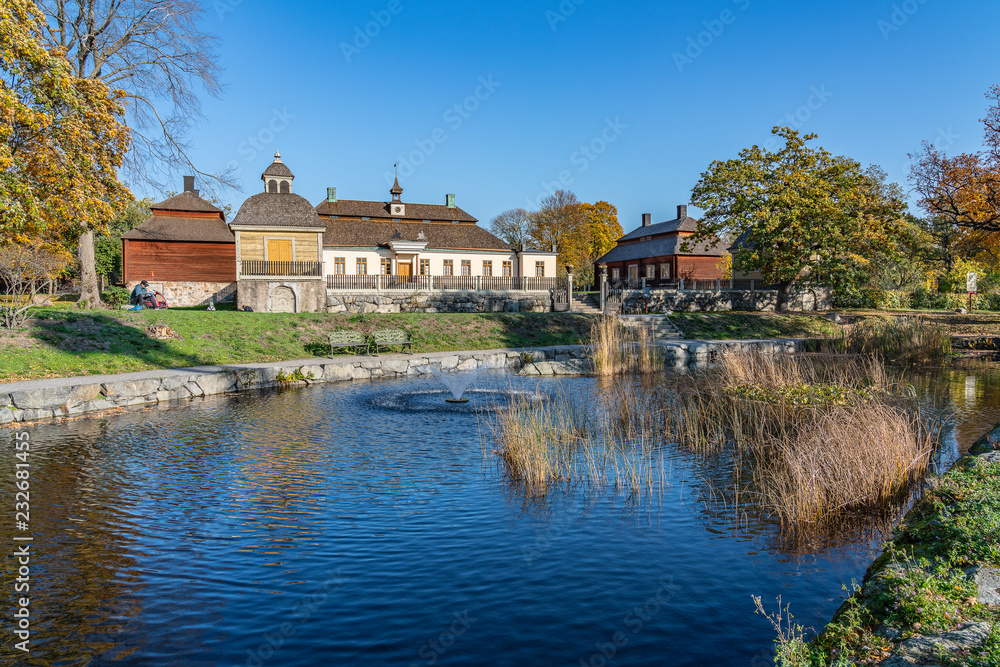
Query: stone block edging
point(35, 400)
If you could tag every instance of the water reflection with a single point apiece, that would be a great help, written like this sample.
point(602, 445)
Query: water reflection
point(186, 533)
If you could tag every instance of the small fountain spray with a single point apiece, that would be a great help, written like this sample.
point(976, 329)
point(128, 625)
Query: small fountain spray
point(457, 384)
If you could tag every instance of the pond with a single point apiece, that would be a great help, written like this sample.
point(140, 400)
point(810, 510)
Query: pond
point(363, 524)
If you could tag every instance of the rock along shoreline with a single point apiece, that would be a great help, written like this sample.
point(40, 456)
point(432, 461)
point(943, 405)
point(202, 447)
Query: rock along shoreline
point(54, 398)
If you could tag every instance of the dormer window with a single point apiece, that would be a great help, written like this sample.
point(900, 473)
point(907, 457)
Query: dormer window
point(366, 218)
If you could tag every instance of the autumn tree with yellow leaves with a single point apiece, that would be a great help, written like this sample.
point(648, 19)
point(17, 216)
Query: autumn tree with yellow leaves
point(62, 142)
point(800, 214)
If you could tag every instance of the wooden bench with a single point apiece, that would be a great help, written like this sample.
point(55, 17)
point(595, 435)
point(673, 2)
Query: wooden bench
point(349, 339)
point(390, 337)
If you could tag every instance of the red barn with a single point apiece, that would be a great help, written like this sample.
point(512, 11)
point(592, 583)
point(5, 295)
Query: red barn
point(184, 249)
point(655, 252)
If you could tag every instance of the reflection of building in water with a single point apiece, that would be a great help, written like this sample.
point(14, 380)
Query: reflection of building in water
point(284, 464)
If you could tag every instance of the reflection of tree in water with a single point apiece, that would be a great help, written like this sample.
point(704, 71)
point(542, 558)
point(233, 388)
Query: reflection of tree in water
point(85, 579)
point(968, 388)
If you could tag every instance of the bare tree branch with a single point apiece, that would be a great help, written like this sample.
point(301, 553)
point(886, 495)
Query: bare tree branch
point(154, 51)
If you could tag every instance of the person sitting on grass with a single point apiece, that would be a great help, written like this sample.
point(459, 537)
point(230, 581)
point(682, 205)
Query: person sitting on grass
point(140, 294)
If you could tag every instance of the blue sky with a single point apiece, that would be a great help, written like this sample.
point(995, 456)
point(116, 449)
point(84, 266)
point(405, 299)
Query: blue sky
point(496, 102)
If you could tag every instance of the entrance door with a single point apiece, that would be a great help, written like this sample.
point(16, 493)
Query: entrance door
point(633, 275)
point(405, 269)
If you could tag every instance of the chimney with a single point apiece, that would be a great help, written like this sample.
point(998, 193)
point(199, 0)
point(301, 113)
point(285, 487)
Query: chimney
point(647, 219)
point(682, 211)
point(450, 201)
point(331, 195)
point(553, 247)
point(189, 184)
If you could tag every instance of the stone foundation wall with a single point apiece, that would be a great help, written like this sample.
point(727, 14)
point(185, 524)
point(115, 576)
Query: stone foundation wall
point(191, 294)
point(476, 301)
point(64, 397)
point(710, 300)
point(282, 296)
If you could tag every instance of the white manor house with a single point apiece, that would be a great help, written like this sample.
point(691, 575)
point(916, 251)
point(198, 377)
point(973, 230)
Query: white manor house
point(293, 257)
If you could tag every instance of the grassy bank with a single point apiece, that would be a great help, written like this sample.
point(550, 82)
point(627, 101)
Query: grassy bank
point(63, 342)
point(741, 325)
point(920, 589)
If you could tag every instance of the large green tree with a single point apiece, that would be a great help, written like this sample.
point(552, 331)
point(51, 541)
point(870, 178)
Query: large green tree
point(801, 214)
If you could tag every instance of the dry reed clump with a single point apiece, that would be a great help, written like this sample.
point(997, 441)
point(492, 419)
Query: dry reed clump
point(538, 441)
point(540, 444)
point(861, 456)
point(819, 436)
point(911, 340)
point(617, 349)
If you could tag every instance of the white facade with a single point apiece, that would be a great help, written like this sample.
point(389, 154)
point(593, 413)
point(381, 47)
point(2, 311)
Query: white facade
point(524, 264)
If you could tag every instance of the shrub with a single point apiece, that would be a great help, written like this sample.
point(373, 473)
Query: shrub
point(116, 297)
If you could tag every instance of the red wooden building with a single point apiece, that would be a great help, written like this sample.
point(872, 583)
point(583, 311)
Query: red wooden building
point(656, 253)
point(184, 249)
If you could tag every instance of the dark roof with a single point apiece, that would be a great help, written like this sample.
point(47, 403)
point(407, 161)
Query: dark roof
point(661, 247)
point(397, 188)
point(371, 233)
point(741, 242)
point(279, 169)
point(688, 224)
point(163, 228)
point(377, 209)
point(272, 209)
point(187, 201)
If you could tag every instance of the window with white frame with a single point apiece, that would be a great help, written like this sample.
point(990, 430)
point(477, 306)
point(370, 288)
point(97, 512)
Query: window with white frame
point(665, 271)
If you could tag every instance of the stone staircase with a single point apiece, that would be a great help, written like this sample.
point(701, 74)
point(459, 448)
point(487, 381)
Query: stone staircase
point(659, 325)
point(587, 304)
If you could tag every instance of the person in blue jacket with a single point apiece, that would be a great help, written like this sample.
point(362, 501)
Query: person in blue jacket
point(140, 294)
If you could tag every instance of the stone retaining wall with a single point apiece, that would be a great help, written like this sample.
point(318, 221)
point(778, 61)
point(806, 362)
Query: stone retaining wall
point(473, 301)
point(664, 300)
point(63, 397)
point(186, 294)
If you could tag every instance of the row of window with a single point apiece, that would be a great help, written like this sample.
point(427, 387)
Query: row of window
point(633, 270)
point(385, 269)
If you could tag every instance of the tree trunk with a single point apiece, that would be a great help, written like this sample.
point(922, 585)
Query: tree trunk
point(88, 271)
point(784, 292)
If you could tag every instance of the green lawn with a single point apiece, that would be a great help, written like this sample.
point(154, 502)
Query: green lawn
point(741, 325)
point(64, 342)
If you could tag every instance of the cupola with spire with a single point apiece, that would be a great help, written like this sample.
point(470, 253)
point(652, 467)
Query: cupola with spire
point(397, 207)
point(278, 177)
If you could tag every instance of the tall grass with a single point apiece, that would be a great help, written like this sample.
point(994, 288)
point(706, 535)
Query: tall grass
point(617, 349)
point(911, 340)
point(543, 444)
point(819, 436)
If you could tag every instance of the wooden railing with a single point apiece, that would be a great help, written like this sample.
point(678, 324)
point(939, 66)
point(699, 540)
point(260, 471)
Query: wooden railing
point(449, 283)
point(255, 268)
